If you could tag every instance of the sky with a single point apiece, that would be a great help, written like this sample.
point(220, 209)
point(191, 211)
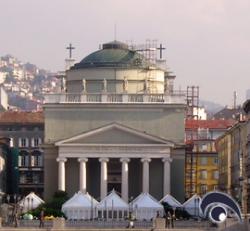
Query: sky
point(207, 41)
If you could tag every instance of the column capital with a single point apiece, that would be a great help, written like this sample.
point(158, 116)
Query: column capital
point(168, 159)
point(82, 159)
point(126, 160)
point(145, 159)
point(61, 159)
point(104, 159)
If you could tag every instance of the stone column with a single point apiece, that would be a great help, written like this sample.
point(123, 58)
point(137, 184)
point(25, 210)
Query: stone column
point(125, 162)
point(166, 175)
point(82, 175)
point(145, 174)
point(61, 173)
point(104, 176)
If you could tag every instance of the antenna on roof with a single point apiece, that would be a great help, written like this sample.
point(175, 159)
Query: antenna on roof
point(115, 31)
point(235, 99)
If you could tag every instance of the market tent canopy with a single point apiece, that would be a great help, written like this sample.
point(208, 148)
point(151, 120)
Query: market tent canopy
point(192, 205)
point(31, 201)
point(146, 207)
point(80, 206)
point(113, 201)
point(171, 201)
point(113, 206)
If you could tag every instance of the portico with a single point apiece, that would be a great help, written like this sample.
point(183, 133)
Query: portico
point(126, 145)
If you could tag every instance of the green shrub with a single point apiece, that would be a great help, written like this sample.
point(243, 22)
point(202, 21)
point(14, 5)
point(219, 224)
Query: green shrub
point(52, 207)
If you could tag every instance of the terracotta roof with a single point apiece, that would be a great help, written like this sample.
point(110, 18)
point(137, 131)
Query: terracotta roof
point(21, 117)
point(211, 124)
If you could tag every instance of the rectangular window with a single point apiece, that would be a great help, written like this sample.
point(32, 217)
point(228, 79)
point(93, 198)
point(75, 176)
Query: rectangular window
point(216, 161)
point(203, 133)
point(23, 161)
point(203, 188)
point(22, 179)
point(36, 178)
point(36, 162)
point(36, 142)
point(193, 188)
point(23, 142)
point(203, 147)
point(11, 142)
point(203, 160)
point(203, 174)
point(40, 161)
point(216, 175)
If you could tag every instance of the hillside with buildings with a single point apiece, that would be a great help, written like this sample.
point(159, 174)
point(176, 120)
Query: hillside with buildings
point(25, 83)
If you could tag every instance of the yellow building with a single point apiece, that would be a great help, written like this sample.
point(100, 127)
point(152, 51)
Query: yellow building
point(201, 165)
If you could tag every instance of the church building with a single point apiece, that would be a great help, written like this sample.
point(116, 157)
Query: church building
point(118, 124)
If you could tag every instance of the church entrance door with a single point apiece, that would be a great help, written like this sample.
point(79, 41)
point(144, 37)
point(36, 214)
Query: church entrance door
point(114, 175)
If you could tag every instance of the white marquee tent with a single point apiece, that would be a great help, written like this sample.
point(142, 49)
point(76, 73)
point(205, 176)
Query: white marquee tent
point(80, 206)
point(31, 201)
point(171, 201)
point(146, 207)
point(192, 205)
point(113, 206)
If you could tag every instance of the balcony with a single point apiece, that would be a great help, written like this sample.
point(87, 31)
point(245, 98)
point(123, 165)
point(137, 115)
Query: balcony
point(91, 98)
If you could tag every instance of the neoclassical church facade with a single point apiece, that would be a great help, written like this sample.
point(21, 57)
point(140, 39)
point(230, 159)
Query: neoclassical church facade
point(118, 125)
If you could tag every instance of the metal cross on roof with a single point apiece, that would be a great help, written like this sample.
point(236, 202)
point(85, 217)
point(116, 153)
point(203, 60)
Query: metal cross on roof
point(70, 48)
point(161, 48)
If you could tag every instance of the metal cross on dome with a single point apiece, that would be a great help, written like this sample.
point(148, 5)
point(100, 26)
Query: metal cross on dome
point(70, 48)
point(161, 48)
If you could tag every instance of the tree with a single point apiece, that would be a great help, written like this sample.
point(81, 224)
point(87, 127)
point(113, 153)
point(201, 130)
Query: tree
point(52, 207)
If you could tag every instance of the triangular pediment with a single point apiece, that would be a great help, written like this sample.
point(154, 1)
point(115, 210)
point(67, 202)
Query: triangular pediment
point(114, 134)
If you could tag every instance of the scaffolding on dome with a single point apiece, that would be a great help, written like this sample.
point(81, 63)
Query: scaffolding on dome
point(148, 49)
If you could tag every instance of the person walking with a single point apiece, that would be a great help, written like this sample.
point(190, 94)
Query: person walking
point(167, 220)
point(41, 225)
point(172, 217)
point(15, 218)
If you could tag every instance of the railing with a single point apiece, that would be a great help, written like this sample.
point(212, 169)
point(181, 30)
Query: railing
point(118, 224)
point(86, 224)
point(107, 224)
point(115, 98)
point(33, 223)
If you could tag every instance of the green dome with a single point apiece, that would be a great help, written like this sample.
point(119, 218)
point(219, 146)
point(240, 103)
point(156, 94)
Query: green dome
point(113, 54)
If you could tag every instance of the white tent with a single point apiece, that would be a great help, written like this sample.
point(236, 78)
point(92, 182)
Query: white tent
point(80, 206)
point(31, 201)
point(113, 206)
point(192, 205)
point(171, 201)
point(146, 207)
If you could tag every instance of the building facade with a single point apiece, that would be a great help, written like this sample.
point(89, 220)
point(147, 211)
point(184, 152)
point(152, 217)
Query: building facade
point(119, 124)
point(4, 144)
point(201, 166)
point(26, 131)
point(234, 163)
point(246, 161)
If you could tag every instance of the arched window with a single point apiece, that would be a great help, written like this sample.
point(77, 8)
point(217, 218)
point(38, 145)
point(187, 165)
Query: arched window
point(23, 160)
point(37, 158)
